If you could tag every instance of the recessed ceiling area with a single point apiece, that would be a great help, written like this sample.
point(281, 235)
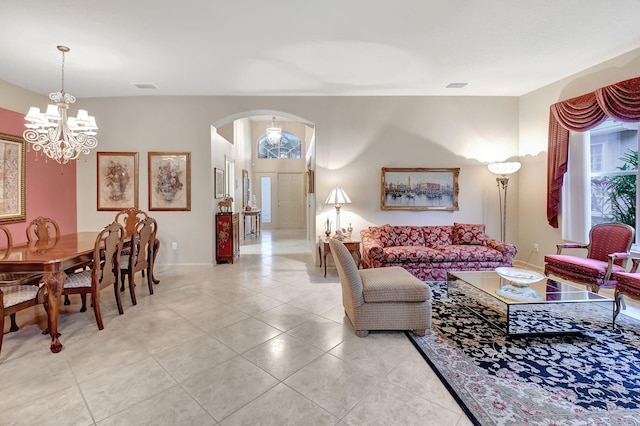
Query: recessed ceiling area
point(292, 48)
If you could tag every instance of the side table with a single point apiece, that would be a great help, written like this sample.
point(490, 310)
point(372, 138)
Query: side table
point(324, 249)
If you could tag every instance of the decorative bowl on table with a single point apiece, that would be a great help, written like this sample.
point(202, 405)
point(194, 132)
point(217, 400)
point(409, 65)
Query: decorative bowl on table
point(519, 277)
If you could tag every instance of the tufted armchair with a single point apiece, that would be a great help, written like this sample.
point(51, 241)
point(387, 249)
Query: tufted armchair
point(381, 298)
point(607, 252)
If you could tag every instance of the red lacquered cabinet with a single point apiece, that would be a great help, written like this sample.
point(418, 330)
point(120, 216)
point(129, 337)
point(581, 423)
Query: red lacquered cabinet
point(227, 237)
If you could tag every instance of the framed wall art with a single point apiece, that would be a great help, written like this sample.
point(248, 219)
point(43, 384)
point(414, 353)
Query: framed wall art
point(245, 188)
point(218, 184)
point(117, 180)
point(419, 189)
point(170, 181)
point(12, 179)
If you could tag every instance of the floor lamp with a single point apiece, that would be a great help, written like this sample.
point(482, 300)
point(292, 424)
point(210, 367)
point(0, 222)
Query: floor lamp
point(503, 169)
point(337, 197)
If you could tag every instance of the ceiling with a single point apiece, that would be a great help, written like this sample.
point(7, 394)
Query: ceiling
point(309, 48)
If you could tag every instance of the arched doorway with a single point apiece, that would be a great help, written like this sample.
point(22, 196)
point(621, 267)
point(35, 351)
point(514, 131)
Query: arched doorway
point(281, 185)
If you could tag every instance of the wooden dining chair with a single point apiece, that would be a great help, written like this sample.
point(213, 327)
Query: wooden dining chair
point(10, 279)
point(15, 298)
point(103, 273)
point(143, 247)
point(129, 219)
point(43, 229)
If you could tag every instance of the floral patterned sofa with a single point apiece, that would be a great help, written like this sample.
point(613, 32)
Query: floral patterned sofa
point(429, 252)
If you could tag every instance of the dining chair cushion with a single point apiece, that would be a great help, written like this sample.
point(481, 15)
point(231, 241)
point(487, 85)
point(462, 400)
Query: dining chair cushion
point(17, 294)
point(79, 280)
point(580, 267)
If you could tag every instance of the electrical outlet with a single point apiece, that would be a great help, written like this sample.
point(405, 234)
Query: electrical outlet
point(536, 248)
point(174, 245)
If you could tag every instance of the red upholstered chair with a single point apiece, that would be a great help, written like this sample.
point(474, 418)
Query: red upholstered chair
point(607, 252)
point(627, 283)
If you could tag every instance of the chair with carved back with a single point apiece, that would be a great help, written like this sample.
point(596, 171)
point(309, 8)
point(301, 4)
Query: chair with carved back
point(129, 219)
point(43, 229)
point(141, 258)
point(607, 252)
point(18, 290)
point(103, 273)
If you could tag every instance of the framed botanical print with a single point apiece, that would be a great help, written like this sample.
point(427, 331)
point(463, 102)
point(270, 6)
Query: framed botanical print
point(12, 179)
point(170, 181)
point(218, 183)
point(117, 180)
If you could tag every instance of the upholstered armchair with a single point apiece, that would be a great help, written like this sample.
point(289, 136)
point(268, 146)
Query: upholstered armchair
point(607, 252)
point(381, 298)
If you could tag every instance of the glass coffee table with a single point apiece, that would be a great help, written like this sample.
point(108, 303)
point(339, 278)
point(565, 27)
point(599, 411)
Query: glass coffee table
point(549, 306)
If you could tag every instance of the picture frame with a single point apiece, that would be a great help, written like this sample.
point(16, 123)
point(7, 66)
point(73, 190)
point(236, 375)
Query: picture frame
point(13, 162)
point(311, 181)
point(169, 181)
point(419, 189)
point(117, 180)
point(218, 183)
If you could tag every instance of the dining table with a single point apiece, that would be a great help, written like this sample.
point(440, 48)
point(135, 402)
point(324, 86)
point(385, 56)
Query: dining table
point(51, 259)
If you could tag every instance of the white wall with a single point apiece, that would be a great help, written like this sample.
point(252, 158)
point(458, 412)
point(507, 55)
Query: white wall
point(534, 119)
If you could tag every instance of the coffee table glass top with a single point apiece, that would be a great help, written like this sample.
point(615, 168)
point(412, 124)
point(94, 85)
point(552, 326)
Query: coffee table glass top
point(549, 290)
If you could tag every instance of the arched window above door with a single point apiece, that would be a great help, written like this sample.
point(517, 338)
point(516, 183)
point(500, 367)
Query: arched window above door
point(288, 147)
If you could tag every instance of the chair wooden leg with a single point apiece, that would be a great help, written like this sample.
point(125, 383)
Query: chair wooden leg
point(1, 326)
point(419, 333)
point(95, 300)
point(362, 333)
point(118, 298)
point(67, 301)
point(14, 325)
point(83, 297)
point(149, 280)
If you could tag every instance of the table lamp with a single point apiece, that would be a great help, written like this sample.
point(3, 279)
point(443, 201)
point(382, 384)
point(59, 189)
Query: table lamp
point(337, 197)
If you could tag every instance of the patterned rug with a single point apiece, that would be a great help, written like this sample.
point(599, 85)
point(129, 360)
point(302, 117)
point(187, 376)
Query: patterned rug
point(571, 379)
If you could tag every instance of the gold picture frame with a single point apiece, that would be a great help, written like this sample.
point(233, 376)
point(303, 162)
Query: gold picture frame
point(13, 205)
point(419, 189)
point(117, 180)
point(169, 181)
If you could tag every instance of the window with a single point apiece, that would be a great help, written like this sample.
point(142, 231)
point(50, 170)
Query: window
point(613, 172)
point(289, 147)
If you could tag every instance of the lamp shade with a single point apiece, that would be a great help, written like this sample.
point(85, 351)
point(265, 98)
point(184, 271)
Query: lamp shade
point(337, 196)
point(504, 168)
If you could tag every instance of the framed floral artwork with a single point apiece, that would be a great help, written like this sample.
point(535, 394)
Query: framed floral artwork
point(170, 181)
point(12, 179)
point(117, 180)
point(218, 182)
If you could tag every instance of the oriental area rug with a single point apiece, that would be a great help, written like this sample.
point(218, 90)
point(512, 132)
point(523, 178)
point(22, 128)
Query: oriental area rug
point(571, 379)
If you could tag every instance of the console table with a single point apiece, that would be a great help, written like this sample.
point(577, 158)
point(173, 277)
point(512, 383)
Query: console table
point(255, 219)
point(227, 237)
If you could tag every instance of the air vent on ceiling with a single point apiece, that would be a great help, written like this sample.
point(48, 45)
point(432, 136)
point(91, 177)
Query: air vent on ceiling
point(456, 85)
point(145, 85)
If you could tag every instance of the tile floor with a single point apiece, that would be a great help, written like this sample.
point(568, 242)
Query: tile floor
point(263, 341)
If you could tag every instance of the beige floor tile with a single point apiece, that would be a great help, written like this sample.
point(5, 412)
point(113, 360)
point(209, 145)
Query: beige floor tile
point(245, 334)
point(216, 318)
point(332, 383)
point(282, 356)
point(293, 409)
point(194, 355)
point(171, 407)
point(285, 317)
point(229, 386)
point(156, 337)
point(115, 391)
point(256, 304)
point(388, 404)
point(321, 333)
point(65, 406)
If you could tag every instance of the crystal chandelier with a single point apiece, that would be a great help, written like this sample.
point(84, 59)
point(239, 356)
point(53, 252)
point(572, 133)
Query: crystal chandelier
point(274, 133)
point(58, 136)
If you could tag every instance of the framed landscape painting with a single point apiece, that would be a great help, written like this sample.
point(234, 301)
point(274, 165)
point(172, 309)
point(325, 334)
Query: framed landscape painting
point(12, 179)
point(419, 189)
point(117, 180)
point(170, 181)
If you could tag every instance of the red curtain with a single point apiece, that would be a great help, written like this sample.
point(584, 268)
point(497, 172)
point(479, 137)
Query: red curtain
point(620, 101)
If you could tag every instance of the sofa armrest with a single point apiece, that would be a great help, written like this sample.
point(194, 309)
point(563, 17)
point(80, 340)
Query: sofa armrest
point(372, 251)
point(509, 251)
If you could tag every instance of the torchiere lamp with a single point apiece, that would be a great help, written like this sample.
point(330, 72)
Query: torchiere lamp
point(503, 169)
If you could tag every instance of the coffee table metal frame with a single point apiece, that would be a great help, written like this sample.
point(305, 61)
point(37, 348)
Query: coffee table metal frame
point(559, 297)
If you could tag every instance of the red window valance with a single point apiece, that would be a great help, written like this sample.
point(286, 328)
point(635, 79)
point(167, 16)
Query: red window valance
point(620, 101)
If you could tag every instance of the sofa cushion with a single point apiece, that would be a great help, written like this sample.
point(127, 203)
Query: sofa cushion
point(410, 254)
point(392, 284)
point(469, 253)
point(409, 235)
point(384, 234)
point(438, 235)
point(469, 234)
